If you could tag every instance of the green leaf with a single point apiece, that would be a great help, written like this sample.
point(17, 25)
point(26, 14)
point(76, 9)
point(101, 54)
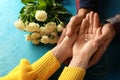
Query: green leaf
point(49, 2)
point(41, 5)
point(26, 1)
point(22, 10)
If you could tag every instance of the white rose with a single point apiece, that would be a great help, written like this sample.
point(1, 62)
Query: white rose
point(19, 24)
point(45, 39)
point(35, 35)
point(42, 31)
point(60, 28)
point(28, 37)
point(53, 41)
point(35, 41)
point(41, 15)
point(32, 27)
point(49, 27)
point(53, 33)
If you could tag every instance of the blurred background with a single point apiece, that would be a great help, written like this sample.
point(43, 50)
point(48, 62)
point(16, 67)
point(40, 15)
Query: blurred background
point(13, 46)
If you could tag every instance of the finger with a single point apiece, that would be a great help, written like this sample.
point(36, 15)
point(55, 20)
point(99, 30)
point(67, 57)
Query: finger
point(87, 16)
point(95, 22)
point(107, 36)
point(99, 53)
point(107, 32)
point(62, 36)
point(83, 26)
point(91, 19)
point(97, 40)
point(87, 24)
point(98, 32)
point(74, 21)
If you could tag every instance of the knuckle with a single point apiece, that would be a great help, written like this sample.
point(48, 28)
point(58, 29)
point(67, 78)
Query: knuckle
point(111, 29)
point(73, 18)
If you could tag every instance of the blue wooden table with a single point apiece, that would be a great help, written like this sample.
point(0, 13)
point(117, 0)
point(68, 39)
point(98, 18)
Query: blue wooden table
point(13, 46)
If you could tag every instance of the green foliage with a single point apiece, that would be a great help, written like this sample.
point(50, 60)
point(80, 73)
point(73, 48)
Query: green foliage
point(54, 8)
point(27, 1)
point(42, 5)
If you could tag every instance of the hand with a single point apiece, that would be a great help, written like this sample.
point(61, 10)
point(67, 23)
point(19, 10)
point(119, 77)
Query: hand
point(108, 34)
point(63, 50)
point(83, 11)
point(74, 21)
point(87, 41)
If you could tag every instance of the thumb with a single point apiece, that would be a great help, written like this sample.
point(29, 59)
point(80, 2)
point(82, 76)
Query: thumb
point(97, 40)
point(72, 25)
point(62, 36)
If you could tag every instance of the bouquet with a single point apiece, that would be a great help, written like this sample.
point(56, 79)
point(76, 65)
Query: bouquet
point(43, 20)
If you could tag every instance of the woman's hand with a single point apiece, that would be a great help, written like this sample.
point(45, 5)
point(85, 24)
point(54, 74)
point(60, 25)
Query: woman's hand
point(74, 21)
point(87, 41)
point(63, 50)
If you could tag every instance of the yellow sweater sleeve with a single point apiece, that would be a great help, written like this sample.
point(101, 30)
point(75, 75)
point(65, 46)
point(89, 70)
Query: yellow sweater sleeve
point(22, 72)
point(42, 69)
point(72, 73)
point(46, 66)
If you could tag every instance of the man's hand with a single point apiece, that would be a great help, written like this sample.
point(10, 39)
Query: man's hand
point(74, 21)
point(108, 34)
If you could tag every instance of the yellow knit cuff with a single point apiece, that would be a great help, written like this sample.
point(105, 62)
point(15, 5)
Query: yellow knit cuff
point(72, 73)
point(46, 66)
point(23, 71)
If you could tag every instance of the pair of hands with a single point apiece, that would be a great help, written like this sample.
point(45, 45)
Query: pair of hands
point(82, 39)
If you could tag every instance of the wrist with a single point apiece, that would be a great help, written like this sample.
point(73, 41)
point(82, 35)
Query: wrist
point(81, 62)
point(59, 54)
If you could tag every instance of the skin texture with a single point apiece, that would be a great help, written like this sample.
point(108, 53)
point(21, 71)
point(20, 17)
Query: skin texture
point(68, 36)
point(74, 21)
point(108, 34)
point(63, 50)
point(107, 31)
point(87, 41)
point(84, 42)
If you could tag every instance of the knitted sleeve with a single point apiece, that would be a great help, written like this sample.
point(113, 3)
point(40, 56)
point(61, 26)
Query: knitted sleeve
point(72, 73)
point(46, 66)
point(42, 69)
point(23, 71)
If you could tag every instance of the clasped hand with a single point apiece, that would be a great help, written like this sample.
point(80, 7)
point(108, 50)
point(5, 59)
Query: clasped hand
point(82, 39)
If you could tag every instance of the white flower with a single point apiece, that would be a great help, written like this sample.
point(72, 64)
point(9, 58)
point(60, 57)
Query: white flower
point(49, 27)
point(54, 40)
point(43, 31)
point(35, 35)
point(32, 27)
point(60, 28)
point(54, 34)
point(45, 39)
point(19, 24)
point(28, 37)
point(41, 15)
point(36, 41)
